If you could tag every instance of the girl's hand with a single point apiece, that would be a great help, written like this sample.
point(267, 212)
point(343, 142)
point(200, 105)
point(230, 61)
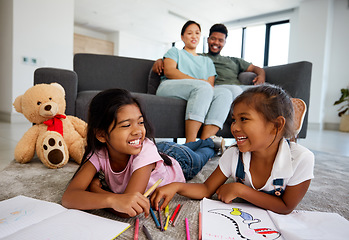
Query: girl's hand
point(165, 192)
point(228, 192)
point(130, 203)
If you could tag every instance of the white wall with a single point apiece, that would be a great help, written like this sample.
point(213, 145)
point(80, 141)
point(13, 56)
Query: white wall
point(319, 34)
point(40, 29)
point(310, 41)
point(6, 36)
point(339, 61)
point(129, 45)
point(139, 47)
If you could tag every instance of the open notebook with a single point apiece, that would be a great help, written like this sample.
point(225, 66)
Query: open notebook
point(28, 218)
point(246, 221)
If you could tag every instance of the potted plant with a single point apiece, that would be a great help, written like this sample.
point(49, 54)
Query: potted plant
point(344, 124)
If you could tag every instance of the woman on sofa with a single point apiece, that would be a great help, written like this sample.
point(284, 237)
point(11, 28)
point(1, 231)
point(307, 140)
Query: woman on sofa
point(191, 77)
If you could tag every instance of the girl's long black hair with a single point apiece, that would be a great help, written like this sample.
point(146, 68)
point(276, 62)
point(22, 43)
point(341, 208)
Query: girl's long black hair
point(102, 113)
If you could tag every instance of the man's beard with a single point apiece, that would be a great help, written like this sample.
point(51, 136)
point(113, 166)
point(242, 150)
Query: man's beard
point(214, 53)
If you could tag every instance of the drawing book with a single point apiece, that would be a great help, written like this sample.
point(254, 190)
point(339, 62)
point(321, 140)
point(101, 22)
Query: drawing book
point(28, 218)
point(246, 221)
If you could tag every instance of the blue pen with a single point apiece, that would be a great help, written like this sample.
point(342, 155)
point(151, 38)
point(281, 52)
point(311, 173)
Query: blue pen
point(154, 217)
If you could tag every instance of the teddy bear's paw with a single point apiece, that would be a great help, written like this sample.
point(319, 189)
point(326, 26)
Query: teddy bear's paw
point(54, 150)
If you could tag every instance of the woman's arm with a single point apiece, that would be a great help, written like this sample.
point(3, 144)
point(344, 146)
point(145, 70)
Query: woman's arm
point(211, 80)
point(171, 71)
point(283, 205)
point(191, 190)
point(158, 66)
point(77, 196)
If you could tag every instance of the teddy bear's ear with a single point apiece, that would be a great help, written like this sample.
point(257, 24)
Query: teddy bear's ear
point(59, 86)
point(18, 104)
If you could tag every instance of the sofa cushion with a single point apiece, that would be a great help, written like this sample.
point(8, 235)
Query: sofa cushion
point(246, 78)
point(156, 109)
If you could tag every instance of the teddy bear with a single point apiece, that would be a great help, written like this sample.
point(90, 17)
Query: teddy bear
point(54, 136)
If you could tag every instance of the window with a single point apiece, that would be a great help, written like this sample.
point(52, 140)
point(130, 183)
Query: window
point(254, 42)
point(233, 46)
point(263, 45)
point(278, 44)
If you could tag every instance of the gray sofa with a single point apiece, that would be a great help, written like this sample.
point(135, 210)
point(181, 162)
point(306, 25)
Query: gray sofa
point(93, 73)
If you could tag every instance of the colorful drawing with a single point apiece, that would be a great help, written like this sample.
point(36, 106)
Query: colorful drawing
point(237, 215)
point(13, 216)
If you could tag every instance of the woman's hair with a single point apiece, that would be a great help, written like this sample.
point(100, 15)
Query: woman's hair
point(219, 28)
point(103, 113)
point(187, 24)
point(271, 101)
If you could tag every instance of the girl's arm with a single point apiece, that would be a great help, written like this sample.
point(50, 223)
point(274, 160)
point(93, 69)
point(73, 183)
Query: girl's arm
point(191, 190)
point(77, 196)
point(139, 179)
point(283, 205)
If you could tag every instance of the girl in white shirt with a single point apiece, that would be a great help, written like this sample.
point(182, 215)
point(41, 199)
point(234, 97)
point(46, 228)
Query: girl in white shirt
point(266, 169)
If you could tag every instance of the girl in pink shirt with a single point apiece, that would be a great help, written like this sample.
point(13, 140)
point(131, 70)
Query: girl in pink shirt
point(118, 145)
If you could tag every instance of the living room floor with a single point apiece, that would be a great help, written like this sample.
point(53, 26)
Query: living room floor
point(326, 141)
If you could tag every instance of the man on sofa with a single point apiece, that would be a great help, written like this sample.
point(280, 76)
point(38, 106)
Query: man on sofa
point(227, 68)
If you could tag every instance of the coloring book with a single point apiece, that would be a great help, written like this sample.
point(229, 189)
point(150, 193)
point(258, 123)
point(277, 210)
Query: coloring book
point(28, 218)
point(246, 221)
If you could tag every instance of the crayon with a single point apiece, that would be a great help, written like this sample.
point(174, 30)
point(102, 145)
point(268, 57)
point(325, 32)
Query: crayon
point(135, 237)
point(178, 214)
point(187, 228)
point(200, 227)
point(155, 218)
point(167, 214)
point(160, 220)
point(146, 232)
point(152, 188)
point(174, 214)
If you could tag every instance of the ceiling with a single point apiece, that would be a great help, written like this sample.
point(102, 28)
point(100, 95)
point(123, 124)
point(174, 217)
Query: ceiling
point(162, 20)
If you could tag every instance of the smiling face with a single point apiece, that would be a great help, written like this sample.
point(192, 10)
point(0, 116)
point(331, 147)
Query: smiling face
point(216, 42)
point(253, 133)
point(127, 137)
point(191, 36)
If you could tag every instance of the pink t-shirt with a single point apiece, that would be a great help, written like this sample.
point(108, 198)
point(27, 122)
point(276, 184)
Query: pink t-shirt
point(117, 181)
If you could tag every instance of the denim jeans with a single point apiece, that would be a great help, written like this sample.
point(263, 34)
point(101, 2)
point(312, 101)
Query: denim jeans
point(191, 156)
point(205, 104)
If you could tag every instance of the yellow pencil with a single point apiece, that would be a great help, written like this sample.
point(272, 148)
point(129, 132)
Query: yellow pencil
point(167, 214)
point(152, 188)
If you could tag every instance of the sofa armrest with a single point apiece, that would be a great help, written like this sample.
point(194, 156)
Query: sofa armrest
point(295, 78)
point(68, 79)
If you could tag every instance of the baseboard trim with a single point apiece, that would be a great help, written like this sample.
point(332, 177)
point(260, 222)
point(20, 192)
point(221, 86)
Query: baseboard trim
point(13, 117)
point(323, 126)
point(331, 126)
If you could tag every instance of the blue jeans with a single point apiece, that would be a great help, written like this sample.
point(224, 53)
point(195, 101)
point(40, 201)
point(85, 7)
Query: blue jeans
point(205, 104)
point(191, 156)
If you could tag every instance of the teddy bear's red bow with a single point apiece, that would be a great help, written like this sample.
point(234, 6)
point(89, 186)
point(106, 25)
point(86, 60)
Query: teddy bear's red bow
point(55, 124)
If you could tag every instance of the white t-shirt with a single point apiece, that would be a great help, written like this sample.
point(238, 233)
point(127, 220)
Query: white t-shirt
point(293, 163)
point(117, 181)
